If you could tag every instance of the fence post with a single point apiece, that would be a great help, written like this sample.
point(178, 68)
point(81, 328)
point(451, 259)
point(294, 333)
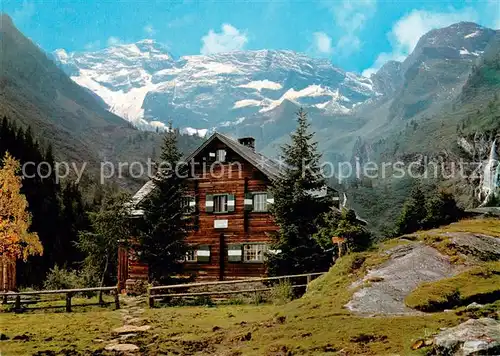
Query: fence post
point(309, 277)
point(151, 300)
point(17, 306)
point(117, 297)
point(68, 302)
point(4, 299)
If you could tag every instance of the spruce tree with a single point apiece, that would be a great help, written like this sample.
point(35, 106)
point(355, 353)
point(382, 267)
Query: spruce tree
point(162, 239)
point(413, 215)
point(296, 208)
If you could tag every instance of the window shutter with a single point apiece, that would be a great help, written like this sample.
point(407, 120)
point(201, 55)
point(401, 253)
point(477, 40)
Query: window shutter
point(203, 254)
point(248, 201)
point(209, 203)
point(234, 252)
point(230, 202)
point(270, 198)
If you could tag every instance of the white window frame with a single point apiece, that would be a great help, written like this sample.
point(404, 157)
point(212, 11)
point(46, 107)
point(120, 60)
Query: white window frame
point(220, 155)
point(255, 253)
point(256, 208)
point(218, 204)
point(191, 256)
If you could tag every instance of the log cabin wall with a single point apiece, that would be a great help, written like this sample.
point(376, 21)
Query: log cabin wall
point(224, 245)
point(238, 178)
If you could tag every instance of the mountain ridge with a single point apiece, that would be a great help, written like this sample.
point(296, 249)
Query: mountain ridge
point(36, 92)
point(241, 92)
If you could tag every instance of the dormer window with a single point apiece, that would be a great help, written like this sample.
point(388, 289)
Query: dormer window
point(220, 155)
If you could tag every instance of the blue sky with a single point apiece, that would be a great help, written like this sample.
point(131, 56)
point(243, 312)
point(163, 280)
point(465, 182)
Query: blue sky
point(356, 35)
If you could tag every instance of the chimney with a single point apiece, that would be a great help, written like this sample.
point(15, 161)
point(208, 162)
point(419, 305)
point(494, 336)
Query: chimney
point(248, 142)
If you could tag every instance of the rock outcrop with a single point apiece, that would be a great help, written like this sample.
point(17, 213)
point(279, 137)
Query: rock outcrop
point(409, 265)
point(474, 337)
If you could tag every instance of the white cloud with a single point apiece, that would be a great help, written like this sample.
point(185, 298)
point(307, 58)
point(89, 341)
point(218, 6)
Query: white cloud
point(114, 41)
point(25, 12)
point(407, 31)
point(229, 39)
point(351, 17)
point(149, 30)
point(322, 42)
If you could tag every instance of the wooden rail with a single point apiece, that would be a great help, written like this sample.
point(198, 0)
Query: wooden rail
point(69, 294)
point(152, 291)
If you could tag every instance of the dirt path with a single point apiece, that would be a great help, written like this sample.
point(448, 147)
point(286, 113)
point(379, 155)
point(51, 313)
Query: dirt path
point(131, 311)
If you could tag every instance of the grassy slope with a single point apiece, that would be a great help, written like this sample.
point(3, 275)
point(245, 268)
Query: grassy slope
point(478, 284)
point(315, 324)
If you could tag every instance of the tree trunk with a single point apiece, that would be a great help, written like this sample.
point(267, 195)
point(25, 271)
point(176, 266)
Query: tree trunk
point(101, 301)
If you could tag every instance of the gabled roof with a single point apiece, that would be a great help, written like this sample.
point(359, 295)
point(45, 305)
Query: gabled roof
point(270, 168)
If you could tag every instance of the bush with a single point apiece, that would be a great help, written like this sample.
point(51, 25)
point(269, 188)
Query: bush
point(258, 298)
point(89, 276)
point(282, 293)
point(235, 301)
point(203, 300)
point(59, 278)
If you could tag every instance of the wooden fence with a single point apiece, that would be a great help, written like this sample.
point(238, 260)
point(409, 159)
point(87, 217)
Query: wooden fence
point(70, 293)
point(169, 290)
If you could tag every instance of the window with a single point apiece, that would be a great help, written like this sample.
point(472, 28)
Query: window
point(254, 252)
point(220, 156)
point(188, 203)
point(220, 203)
point(191, 256)
point(185, 202)
point(260, 202)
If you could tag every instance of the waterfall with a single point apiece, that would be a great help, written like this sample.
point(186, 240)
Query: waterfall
point(491, 176)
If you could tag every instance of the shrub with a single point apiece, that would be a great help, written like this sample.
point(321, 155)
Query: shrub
point(203, 300)
point(89, 276)
point(282, 293)
point(258, 298)
point(235, 301)
point(59, 278)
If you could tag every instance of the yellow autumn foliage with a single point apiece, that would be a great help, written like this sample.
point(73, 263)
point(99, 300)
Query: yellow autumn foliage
point(16, 241)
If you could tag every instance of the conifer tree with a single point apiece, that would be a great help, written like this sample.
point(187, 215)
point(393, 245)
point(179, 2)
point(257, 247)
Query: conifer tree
point(413, 214)
point(296, 207)
point(162, 242)
point(441, 209)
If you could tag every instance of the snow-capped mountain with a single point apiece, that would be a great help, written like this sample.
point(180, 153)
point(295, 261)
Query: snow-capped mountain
point(144, 84)
point(255, 93)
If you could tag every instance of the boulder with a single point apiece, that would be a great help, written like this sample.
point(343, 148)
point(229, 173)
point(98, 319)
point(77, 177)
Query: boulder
point(122, 347)
point(129, 329)
point(474, 337)
point(474, 306)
